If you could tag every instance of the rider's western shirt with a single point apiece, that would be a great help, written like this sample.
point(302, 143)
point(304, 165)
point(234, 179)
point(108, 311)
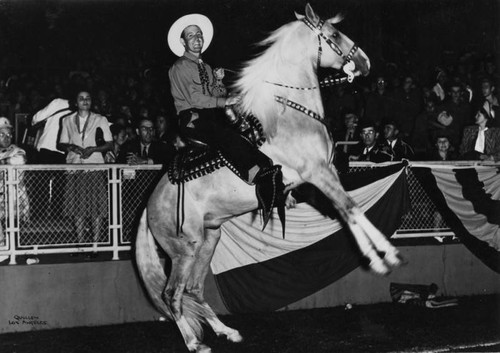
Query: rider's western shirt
point(189, 90)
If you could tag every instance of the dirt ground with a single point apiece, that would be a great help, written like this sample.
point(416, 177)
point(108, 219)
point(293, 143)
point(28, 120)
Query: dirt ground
point(472, 326)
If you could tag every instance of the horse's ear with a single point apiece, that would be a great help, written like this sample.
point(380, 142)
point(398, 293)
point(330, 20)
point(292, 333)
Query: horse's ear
point(338, 18)
point(299, 16)
point(311, 15)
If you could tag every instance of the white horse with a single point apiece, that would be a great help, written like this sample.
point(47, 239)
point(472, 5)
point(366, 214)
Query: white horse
point(281, 89)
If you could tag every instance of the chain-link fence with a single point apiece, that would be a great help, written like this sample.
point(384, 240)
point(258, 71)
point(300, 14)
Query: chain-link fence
point(68, 208)
point(423, 216)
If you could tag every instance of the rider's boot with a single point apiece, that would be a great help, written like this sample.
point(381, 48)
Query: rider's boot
point(269, 188)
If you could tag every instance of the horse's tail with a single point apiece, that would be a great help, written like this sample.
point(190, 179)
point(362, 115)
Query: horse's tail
point(150, 267)
point(153, 275)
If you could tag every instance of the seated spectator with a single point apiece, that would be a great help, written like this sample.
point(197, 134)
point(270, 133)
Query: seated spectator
point(145, 150)
point(480, 141)
point(119, 134)
point(393, 144)
point(368, 149)
point(9, 153)
point(442, 151)
point(379, 102)
point(12, 155)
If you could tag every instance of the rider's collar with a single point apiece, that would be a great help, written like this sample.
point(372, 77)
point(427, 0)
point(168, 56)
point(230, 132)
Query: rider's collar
point(192, 57)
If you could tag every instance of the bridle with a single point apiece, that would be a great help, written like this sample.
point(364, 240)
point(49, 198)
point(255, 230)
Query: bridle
point(347, 58)
point(348, 66)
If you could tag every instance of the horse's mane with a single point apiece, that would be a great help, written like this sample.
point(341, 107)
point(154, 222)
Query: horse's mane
point(287, 59)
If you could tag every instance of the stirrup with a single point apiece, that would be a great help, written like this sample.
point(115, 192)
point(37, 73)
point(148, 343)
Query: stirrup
point(270, 193)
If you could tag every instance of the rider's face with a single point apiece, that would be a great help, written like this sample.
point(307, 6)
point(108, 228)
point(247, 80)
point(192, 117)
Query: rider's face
point(192, 39)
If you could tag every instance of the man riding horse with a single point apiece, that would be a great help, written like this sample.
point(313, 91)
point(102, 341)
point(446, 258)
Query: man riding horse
point(200, 99)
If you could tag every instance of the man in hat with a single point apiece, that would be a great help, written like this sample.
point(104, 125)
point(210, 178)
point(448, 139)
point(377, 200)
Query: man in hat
point(9, 153)
point(368, 149)
point(200, 99)
point(12, 155)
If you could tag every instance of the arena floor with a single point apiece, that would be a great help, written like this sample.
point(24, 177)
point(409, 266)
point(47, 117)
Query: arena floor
point(472, 326)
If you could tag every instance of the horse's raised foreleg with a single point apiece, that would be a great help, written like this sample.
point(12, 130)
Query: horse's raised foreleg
point(369, 239)
point(197, 285)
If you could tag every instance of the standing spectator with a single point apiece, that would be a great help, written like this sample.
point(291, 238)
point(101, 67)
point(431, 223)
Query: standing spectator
point(439, 88)
point(394, 145)
point(348, 133)
point(119, 134)
point(407, 105)
point(480, 141)
point(145, 150)
point(46, 143)
point(442, 151)
point(490, 102)
point(456, 107)
point(378, 102)
point(368, 149)
point(421, 138)
point(86, 193)
point(50, 190)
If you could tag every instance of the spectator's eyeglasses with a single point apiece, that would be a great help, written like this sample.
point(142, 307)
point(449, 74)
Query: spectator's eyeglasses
point(366, 133)
point(2, 135)
point(146, 128)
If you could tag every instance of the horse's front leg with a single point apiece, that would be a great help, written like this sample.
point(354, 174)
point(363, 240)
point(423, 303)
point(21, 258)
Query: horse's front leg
point(196, 286)
point(370, 240)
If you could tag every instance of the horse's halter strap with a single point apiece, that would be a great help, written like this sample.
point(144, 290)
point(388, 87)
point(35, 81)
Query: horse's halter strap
point(347, 67)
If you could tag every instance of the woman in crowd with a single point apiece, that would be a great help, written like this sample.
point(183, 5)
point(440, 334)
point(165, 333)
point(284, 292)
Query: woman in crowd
point(86, 191)
point(119, 133)
point(481, 141)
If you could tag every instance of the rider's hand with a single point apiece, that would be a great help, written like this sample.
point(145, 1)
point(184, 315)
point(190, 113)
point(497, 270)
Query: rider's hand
point(219, 73)
point(232, 100)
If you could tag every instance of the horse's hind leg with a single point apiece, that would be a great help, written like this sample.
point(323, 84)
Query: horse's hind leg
point(197, 285)
point(183, 250)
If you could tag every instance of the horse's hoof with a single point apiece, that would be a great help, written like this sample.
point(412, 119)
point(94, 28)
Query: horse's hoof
point(202, 348)
point(393, 258)
point(234, 337)
point(379, 267)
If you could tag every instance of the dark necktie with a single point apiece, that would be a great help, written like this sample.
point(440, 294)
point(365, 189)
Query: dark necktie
point(144, 152)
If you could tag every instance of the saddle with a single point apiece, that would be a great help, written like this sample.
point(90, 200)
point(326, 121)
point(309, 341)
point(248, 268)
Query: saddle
point(198, 159)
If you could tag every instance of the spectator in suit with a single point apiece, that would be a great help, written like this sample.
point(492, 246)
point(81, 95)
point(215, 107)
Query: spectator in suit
point(145, 150)
point(480, 141)
point(368, 149)
point(393, 144)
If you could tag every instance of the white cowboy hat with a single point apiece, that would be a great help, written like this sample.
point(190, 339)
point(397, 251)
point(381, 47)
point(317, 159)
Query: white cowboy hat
point(175, 31)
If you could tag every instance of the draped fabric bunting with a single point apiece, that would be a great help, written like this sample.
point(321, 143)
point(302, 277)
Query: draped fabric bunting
point(260, 271)
point(468, 198)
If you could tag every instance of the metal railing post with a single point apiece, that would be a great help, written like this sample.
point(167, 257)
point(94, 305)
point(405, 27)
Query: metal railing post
point(115, 207)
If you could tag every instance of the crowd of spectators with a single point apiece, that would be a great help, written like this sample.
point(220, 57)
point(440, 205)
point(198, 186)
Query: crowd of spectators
point(408, 116)
point(404, 109)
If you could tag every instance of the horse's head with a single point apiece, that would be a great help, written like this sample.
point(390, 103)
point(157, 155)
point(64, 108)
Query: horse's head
point(344, 53)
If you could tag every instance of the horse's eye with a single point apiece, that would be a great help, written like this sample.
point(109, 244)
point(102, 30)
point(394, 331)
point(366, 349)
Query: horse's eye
point(335, 34)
